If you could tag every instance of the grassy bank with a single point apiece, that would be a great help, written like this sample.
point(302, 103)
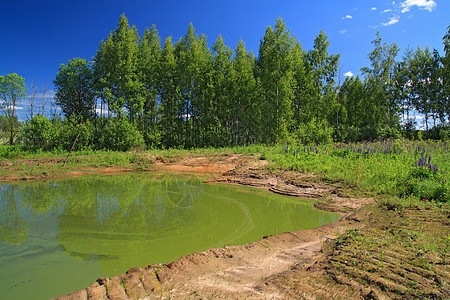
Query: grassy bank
point(399, 248)
point(18, 163)
point(398, 168)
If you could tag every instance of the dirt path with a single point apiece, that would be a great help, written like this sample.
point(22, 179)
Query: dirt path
point(249, 271)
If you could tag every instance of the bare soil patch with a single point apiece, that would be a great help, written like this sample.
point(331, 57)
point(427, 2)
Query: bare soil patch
point(45, 168)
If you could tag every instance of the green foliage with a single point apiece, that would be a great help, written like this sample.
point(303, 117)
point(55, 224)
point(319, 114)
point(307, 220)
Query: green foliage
point(369, 133)
point(12, 90)
point(12, 152)
point(275, 78)
point(121, 135)
point(189, 95)
point(323, 68)
point(439, 132)
point(38, 133)
point(242, 117)
point(386, 133)
point(392, 167)
point(343, 133)
point(67, 131)
point(380, 84)
point(116, 71)
point(425, 184)
point(313, 133)
point(113, 158)
point(74, 88)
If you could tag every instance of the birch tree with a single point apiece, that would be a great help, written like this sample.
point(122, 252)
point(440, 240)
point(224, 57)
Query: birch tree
point(12, 90)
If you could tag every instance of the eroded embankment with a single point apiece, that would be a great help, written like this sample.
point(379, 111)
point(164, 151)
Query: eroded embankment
point(248, 271)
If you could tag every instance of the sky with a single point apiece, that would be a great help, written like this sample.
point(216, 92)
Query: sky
point(38, 36)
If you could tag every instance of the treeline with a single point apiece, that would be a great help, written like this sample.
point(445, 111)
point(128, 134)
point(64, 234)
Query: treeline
point(190, 95)
point(392, 91)
point(186, 94)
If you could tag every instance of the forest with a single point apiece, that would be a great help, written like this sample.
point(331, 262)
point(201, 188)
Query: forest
point(138, 91)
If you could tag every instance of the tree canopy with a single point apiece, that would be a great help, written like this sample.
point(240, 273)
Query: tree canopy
point(187, 94)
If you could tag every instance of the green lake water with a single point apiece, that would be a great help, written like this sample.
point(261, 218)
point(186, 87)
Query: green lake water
point(59, 236)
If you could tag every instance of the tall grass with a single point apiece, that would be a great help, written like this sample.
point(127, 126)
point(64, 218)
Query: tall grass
point(400, 167)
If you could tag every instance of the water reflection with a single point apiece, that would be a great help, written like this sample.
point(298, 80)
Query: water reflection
point(111, 205)
point(94, 226)
point(14, 229)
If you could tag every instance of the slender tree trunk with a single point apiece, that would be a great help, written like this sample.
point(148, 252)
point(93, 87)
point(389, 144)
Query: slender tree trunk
point(11, 123)
point(73, 145)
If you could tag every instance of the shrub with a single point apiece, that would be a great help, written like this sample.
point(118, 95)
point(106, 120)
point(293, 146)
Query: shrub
point(67, 131)
point(439, 132)
point(121, 135)
point(12, 152)
point(38, 133)
point(152, 137)
point(385, 133)
point(410, 131)
point(347, 134)
point(426, 184)
point(315, 133)
point(369, 133)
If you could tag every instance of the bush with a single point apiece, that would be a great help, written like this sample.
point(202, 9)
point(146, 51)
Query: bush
point(425, 184)
point(439, 132)
point(12, 152)
point(409, 131)
point(369, 133)
point(347, 134)
point(67, 131)
point(38, 133)
point(152, 137)
point(385, 133)
point(121, 135)
point(315, 133)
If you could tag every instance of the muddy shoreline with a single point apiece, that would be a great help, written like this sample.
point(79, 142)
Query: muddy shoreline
point(236, 271)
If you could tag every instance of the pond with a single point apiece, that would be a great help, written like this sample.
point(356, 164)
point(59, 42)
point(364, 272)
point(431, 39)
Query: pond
point(59, 236)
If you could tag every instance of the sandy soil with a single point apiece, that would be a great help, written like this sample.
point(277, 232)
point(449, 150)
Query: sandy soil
point(286, 265)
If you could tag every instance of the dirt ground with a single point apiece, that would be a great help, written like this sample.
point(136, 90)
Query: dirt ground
point(374, 251)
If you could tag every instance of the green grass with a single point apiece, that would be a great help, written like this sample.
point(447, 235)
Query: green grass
point(392, 167)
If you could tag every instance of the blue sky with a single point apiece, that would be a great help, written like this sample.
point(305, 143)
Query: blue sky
point(38, 36)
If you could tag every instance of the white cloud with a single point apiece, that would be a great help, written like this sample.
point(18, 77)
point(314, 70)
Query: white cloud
point(347, 17)
point(99, 111)
point(386, 10)
point(422, 4)
point(15, 107)
point(393, 20)
point(343, 31)
point(349, 74)
point(373, 8)
point(40, 95)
